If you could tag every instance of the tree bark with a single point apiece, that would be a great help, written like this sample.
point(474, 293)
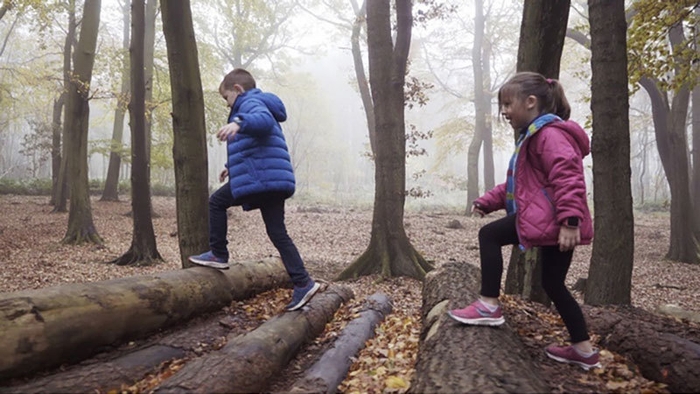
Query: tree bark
point(330, 370)
point(479, 107)
point(610, 274)
point(81, 227)
point(143, 250)
point(103, 376)
point(454, 358)
point(111, 190)
point(249, 361)
point(542, 34)
point(390, 252)
point(189, 147)
point(46, 328)
point(661, 354)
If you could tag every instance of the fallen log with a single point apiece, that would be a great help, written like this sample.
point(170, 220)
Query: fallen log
point(655, 344)
point(45, 328)
point(101, 377)
point(330, 370)
point(454, 358)
point(249, 361)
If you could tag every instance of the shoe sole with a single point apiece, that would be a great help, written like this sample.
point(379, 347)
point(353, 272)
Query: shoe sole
point(567, 361)
point(306, 298)
point(210, 264)
point(484, 321)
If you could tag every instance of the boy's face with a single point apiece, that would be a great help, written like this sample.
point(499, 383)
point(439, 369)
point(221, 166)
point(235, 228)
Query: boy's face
point(230, 95)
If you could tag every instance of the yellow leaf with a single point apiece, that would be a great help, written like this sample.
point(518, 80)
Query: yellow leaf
point(395, 382)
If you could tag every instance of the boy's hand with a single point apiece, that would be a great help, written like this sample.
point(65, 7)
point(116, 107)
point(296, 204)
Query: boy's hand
point(569, 237)
point(227, 132)
point(223, 175)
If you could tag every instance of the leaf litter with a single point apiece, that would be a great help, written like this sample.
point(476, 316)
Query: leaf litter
point(330, 238)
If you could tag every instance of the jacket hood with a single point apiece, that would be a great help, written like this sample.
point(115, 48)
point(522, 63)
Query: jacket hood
point(577, 134)
point(273, 103)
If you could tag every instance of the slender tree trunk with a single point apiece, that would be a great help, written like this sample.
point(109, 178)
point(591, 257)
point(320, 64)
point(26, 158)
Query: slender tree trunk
point(362, 83)
point(143, 249)
point(59, 194)
point(80, 225)
point(610, 274)
point(695, 183)
point(479, 110)
point(542, 34)
point(190, 148)
point(489, 171)
point(390, 252)
point(111, 190)
point(56, 131)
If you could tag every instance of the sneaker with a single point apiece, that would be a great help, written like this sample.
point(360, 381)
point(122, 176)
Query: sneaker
point(302, 295)
point(568, 354)
point(478, 314)
point(208, 259)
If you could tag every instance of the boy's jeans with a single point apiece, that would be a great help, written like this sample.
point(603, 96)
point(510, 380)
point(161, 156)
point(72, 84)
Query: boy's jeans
point(272, 210)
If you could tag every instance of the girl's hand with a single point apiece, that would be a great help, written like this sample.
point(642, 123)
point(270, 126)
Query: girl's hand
point(569, 237)
point(476, 210)
point(227, 132)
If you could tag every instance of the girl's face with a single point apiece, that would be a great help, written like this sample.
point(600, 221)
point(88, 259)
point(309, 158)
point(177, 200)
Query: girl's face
point(518, 109)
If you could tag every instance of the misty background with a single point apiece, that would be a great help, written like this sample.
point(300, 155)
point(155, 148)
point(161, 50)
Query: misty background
point(311, 69)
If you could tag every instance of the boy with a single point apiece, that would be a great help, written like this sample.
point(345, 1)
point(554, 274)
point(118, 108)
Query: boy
point(260, 176)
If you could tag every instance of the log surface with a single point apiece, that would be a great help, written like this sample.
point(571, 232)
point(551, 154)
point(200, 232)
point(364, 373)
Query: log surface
point(45, 328)
point(455, 358)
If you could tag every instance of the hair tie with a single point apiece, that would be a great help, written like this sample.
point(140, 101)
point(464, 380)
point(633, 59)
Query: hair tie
point(549, 81)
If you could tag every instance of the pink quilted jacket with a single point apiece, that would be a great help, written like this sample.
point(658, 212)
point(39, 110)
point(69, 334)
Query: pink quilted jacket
point(549, 185)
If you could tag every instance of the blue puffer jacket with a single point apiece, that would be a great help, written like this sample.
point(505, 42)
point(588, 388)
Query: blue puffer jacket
point(258, 159)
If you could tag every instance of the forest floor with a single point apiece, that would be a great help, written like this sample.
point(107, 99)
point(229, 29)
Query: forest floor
point(330, 238)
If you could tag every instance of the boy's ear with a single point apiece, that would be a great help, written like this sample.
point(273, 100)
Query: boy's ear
point(238, 88)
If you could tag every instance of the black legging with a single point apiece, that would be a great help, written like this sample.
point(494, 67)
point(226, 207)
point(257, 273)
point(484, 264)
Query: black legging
point(555, 266)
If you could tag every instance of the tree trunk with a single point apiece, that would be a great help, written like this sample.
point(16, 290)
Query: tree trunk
point(248, 362)
point(101, 377)
point(46, 328)
point(111, 190)
point(59, 192)
point(330, 370)
point(695, 174)
point(80, 225)
point(189, 147)
point(453, 358)
point(479, 107)
point(542, 34)
point(489, 171)
point(390, 252)
point(143, 250)
point(56, 131)
point(362, 83)
point(610, 274)
point(653, 343)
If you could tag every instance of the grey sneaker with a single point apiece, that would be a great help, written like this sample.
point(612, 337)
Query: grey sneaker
point(302, 295)
point(208, 259)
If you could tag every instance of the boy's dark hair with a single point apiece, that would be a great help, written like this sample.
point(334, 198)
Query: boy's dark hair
point(549, 92)
point(238, 76)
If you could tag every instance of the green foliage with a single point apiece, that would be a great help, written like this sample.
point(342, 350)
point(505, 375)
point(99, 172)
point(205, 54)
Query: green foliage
point(650, 51)
point(27, 187)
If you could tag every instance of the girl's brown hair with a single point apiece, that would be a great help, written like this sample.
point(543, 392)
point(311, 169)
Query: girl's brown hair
point(549, 92)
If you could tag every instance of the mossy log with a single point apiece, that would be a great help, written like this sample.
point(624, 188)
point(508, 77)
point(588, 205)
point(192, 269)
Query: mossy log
point(248, 362)
point(455, 358)
point(45, 328)
point(330, 370)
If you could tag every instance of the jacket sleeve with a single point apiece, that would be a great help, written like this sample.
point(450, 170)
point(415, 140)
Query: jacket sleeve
point(493, 200)
point(563, 164)
point(255, 118)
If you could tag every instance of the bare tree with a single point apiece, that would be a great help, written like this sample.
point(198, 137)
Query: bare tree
point(390, 252)
point(190, 148)
point(610, 274)
point(80, 224)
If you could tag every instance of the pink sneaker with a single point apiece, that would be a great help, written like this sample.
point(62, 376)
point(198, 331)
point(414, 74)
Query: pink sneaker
point(567, 354)
point(478, 314)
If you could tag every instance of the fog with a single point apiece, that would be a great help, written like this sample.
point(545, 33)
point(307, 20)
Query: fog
point(314, 75)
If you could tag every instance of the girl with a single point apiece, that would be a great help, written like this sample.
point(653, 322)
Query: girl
point(545, 199)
